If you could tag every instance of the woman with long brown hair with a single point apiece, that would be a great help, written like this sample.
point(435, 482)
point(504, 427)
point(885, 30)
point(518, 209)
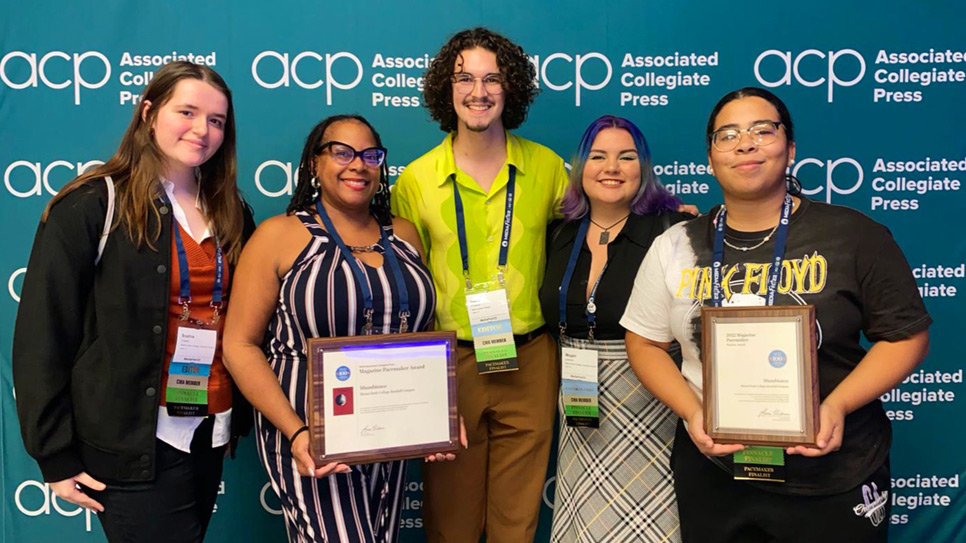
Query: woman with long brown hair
point(122, 396)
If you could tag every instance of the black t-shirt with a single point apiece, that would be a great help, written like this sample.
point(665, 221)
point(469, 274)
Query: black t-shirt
point(837, 259)
point(624, 255)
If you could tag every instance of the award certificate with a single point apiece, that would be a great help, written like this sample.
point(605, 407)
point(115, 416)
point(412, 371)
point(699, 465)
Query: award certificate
point(760, 375)
point(382, 397)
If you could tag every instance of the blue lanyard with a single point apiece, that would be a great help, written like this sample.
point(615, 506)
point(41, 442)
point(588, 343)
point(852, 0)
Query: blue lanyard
point(184, 294)
point(591, 308)
point(774, 272)
point(388, 253)
point(507, 224)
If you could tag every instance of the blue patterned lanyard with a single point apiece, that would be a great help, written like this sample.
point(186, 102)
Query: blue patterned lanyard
point(507, 224)
point(590, 309)
point(184, 294)
point(774, 272)
point(389, 254)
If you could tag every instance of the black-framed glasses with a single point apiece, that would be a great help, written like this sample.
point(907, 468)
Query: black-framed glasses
point(344, 154)
point(464, 83)
point(763, 133)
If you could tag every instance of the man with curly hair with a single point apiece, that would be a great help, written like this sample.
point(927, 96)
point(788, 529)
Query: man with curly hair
point(481, 201)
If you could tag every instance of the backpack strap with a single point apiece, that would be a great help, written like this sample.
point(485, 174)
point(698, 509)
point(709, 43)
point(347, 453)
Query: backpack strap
point(108, 219)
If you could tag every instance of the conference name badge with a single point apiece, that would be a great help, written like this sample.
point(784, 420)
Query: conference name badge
point(186, 392)
point(579, 387)
point(489, 315)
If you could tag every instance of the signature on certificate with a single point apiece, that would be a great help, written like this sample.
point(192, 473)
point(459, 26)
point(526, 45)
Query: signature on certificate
point(370, 430)
point(777, 412)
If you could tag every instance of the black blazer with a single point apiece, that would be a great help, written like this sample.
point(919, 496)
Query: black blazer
point(89, 343)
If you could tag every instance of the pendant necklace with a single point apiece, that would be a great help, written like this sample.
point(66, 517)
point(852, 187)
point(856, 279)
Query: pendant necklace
point(363, 248)
point(605, 232)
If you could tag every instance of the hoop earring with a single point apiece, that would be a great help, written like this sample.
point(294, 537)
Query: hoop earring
point(314, 182)
point(793, 185)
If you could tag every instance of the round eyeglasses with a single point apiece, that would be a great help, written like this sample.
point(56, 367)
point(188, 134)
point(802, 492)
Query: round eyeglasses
point(344, 154)
point(464, 83)
point(763, 133)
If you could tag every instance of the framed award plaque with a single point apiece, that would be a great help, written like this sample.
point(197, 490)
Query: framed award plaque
point(760, 375)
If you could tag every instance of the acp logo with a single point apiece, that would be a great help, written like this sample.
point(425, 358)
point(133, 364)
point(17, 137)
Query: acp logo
point(586, 68)
point(830, 186)
point(265, 174)
point(12, 287)
point(308, 69)
point(45, 71)
point(549, 489)
point(267, 495)
point(823, 69)
point(24, 179)
point(34, 499)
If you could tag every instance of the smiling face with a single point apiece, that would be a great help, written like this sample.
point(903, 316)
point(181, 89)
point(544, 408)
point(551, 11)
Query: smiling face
point(751, 171)
point(478, 110)
point(351, 186)
point(190, 127)
point(612, 171)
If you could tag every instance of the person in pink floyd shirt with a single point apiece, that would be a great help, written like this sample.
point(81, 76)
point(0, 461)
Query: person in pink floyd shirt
point(859, 283)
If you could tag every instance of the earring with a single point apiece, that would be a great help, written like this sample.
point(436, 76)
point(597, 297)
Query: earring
point(315, 186)
point(793, 185)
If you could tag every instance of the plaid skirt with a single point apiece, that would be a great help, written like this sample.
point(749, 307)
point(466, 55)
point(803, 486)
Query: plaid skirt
point(614, 482)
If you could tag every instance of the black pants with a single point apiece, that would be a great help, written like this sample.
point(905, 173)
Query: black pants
point(714, 508)
point(173, 508)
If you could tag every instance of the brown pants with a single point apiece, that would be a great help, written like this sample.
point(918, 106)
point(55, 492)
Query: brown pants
point(497, 483)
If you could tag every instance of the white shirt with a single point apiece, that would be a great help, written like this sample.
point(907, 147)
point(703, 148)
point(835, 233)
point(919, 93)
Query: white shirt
point(179, 431)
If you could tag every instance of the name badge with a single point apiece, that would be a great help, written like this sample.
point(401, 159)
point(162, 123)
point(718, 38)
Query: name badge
point(579, 386)
point(186, 393)
point(766, 464)
point(489, 315)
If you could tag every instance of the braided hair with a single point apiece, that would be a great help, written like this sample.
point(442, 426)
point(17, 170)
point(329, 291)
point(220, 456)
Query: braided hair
point(303, 199)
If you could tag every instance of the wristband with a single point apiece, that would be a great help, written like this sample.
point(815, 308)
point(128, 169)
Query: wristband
point(297, 432)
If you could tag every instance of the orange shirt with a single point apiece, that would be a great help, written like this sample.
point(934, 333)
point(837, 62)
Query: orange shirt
point(201, 263)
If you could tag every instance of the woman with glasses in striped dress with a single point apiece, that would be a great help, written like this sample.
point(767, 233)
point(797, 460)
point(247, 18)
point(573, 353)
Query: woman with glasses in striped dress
point(296, 280)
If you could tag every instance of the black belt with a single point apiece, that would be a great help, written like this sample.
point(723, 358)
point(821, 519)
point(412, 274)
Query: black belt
point(519, 339)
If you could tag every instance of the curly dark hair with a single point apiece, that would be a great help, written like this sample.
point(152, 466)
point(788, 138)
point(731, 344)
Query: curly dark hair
point(304, 200)
point(515, 67)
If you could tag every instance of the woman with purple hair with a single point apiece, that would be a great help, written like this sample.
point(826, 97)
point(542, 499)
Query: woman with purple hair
point(613, 475)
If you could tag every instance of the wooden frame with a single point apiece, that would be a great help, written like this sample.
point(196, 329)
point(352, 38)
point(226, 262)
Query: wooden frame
point(316, 396)
point(804, 318)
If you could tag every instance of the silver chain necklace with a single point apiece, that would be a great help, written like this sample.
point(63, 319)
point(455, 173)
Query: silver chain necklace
point(755, 246)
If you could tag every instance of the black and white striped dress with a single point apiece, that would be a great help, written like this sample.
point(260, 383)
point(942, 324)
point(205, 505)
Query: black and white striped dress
point(319, 297)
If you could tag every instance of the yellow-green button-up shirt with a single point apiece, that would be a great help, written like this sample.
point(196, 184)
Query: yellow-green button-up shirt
point(423, 194)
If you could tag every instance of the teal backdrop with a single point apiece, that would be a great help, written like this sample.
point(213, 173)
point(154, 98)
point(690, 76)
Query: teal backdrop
point(876, 90)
